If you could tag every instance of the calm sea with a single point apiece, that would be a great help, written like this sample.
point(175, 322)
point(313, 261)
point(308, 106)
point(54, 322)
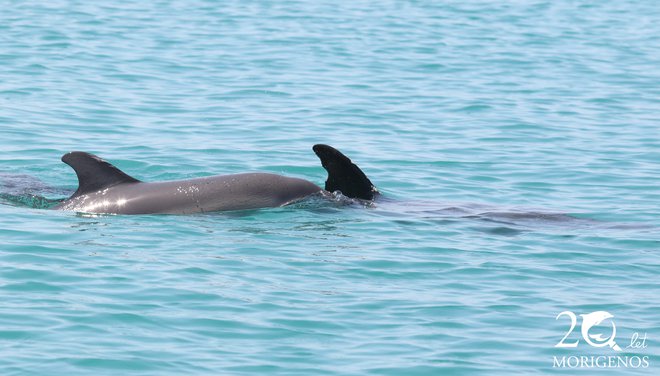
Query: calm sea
point(516, 143)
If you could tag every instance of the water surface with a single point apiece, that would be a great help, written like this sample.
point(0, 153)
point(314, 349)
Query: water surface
point(516, 143)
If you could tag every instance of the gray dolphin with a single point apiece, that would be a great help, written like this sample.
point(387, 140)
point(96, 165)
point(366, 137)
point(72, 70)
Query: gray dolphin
point(103, 188)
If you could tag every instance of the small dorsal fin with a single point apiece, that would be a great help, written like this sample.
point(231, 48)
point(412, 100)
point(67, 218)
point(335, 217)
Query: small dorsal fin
point(344, 175)
point(94, 173)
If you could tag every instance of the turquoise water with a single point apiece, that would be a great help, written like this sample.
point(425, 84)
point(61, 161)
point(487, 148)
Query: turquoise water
point(516, 143)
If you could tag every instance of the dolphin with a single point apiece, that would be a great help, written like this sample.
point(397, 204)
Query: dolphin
point(103, 188)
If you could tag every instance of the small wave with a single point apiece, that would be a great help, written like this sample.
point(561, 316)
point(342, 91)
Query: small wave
point(339, 198)
point(27, 191)
point(29, 201)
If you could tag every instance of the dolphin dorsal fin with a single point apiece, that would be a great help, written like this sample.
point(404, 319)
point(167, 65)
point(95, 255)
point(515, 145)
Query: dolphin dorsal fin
point(94, 173)
point(344, 175)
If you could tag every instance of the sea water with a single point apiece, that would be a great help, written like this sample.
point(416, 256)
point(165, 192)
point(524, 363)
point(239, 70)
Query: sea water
point(516, 145)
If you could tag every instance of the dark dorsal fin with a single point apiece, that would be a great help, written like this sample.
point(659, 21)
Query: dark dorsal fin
point(343, 175)
point(94, 173)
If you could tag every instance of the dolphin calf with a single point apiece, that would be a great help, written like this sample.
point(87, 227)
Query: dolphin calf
point(103, 188)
